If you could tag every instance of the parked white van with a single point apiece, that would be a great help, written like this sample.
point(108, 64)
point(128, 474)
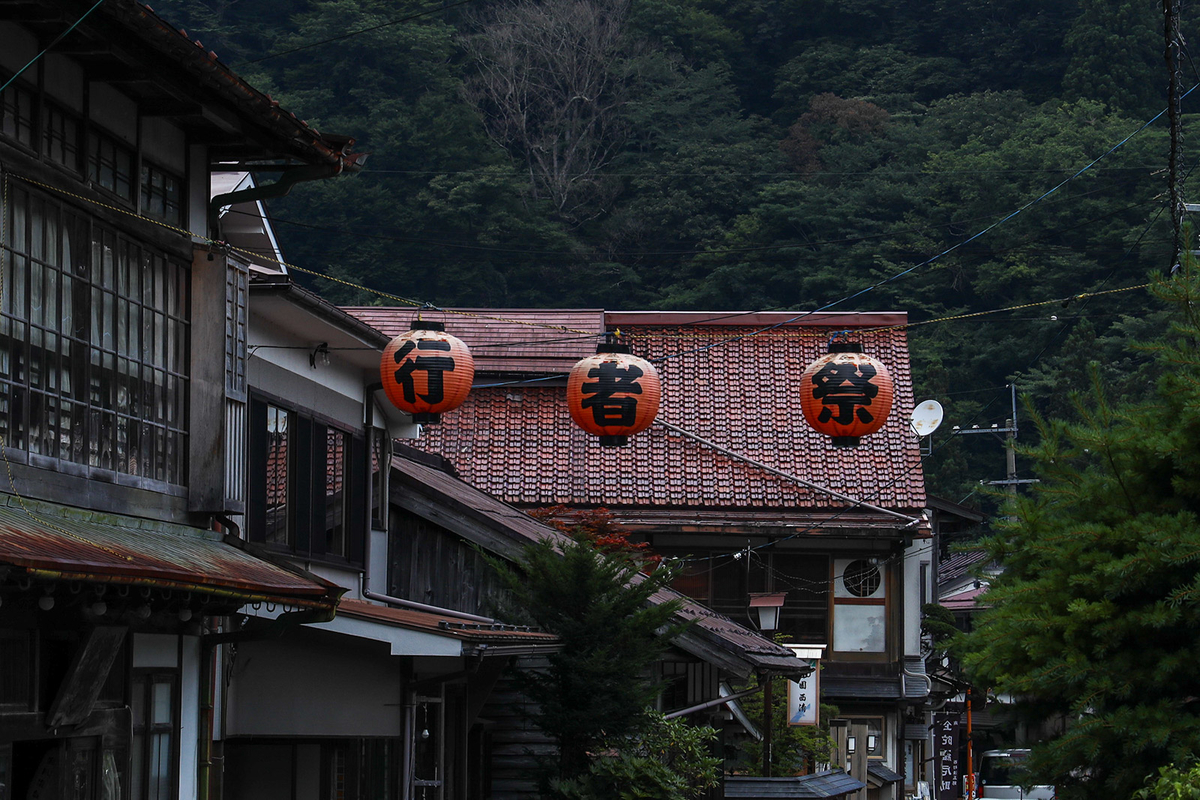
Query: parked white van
point(1000, 775)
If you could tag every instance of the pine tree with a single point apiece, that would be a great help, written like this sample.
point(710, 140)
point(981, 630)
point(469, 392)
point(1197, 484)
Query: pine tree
point(598, 684)
point(1095, 622)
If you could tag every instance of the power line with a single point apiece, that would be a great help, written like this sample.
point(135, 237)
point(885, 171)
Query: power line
point(55, 41)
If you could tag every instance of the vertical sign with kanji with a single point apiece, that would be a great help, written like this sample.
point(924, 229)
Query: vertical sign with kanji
point(804, 696)
point(945, 756)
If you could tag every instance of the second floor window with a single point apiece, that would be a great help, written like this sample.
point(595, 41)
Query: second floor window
point(110, 165)
point(162, 195)
point(93, 344)
point(308, 483)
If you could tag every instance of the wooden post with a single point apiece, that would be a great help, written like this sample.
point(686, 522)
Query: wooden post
point(970, 749)
point(839, 731)
point(858, 759)
point(768, 719)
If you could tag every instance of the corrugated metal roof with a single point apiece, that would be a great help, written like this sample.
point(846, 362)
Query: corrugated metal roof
point(444, 625)
point(831, 783)
point(861, 688)
point(505, 340)
point(58, 541)
point(883, 773)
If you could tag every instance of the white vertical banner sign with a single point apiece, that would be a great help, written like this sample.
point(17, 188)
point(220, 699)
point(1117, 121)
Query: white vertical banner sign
point(804, 694)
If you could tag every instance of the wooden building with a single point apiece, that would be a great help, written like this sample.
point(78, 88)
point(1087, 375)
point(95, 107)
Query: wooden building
point(122, 391)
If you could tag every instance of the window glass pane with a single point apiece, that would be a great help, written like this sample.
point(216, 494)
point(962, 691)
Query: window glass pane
point(336, 455)
point(160, 703)
point(378, 482)
point(279, 437)
point(859, 629)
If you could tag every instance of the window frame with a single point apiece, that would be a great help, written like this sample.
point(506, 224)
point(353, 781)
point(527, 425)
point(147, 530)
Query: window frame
point(307, 489)
point(95, 338)
point(145, 680)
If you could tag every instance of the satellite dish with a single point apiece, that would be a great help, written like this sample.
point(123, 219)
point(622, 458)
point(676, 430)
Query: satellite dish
point(926, 417)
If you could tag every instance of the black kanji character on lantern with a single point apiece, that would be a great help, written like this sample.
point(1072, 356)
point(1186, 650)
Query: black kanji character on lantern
point(843, 386)
point(607, 408)
point(433, 365)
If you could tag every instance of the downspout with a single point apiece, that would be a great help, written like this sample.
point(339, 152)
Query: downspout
point(290, 177)
point(368, 408)
point(208, 644)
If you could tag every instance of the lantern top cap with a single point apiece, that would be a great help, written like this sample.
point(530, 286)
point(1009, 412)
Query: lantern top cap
point(612, 347)
point(426, 325)
point(767, 599)
point(845, 347)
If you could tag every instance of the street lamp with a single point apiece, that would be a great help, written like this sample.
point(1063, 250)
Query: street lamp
point(767, 605)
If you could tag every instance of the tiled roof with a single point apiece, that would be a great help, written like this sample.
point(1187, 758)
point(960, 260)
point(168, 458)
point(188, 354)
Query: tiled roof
point(130, 34)
point(518, 442)
point(711, 634)
point(505, 340)
point(883, 773)
point(59, 542)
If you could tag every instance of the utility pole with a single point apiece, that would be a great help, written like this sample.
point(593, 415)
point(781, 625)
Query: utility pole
point(1010, 445)
point(1173, 44)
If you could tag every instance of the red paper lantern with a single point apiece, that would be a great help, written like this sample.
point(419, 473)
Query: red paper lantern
point(613, 394)
point(846, 394)
point(427, 372)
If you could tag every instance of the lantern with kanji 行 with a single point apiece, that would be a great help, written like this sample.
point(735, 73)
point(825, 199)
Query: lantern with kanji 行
point(427, 372)
point(846, 394)
point(613, 394)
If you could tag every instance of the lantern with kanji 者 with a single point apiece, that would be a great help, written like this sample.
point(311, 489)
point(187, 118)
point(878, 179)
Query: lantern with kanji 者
point(613, 394)
point(846, 394)
point(426, 371)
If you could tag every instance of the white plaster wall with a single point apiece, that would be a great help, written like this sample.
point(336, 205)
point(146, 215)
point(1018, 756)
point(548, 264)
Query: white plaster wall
point(189, 718)
point(920, 551)
point(282, 363)
point(155, 650)
point(313, 684)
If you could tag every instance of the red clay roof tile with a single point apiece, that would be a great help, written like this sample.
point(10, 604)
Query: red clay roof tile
point(518, 442)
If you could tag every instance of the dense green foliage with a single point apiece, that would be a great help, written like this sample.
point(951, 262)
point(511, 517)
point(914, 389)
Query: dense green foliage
point(795, 749)
point(668, 759)
point(1095, 620)
point(742, 154)
point(598, 685)
point(1172, 783)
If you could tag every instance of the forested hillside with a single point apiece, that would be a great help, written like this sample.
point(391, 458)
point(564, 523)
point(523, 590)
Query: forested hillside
point(745, 154)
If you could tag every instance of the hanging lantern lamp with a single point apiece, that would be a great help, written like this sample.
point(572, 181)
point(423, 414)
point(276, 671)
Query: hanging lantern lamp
point(846, 394)
point(427, 372)
point(613, 394)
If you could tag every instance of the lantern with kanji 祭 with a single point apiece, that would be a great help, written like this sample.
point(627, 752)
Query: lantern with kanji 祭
point(613, 394)
point(427, 372)
point(846, 394)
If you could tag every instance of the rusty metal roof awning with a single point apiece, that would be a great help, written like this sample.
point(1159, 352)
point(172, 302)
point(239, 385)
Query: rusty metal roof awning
point(52, 542)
